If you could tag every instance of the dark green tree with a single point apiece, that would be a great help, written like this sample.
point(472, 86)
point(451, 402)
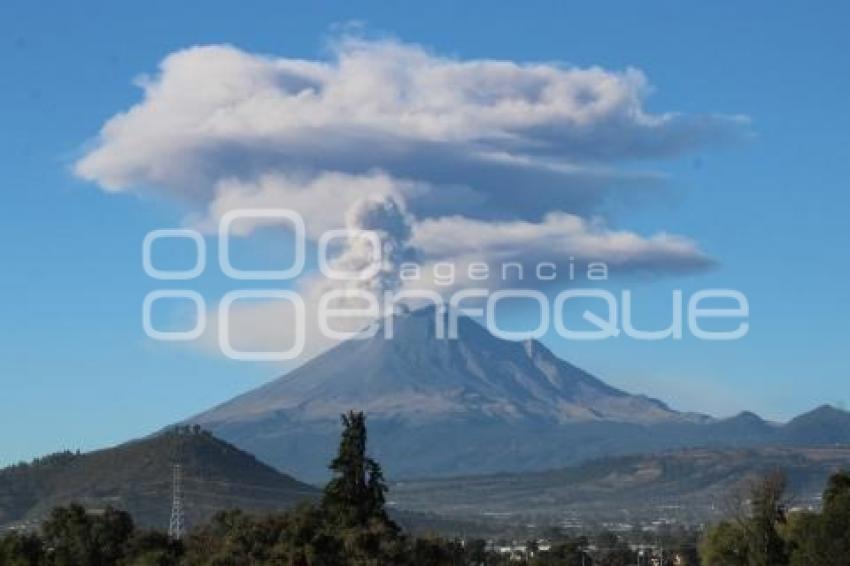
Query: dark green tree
point(21, 549)
point(152, 548)
point(767, 497)
point(75, 536)
point(725, 544)
point(356, 494)
point(823, 539)
point(837, 488)
point(234, 538)
point(754, 535)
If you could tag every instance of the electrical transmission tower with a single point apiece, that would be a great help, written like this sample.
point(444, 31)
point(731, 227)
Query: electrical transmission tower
point(177, 523)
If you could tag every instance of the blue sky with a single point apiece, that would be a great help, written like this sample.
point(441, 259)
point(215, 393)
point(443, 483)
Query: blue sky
point(78, 372)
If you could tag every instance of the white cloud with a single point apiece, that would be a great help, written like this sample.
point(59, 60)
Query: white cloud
point(565, 242)
point(558, 236)
point(448, 159)
point(469, 128)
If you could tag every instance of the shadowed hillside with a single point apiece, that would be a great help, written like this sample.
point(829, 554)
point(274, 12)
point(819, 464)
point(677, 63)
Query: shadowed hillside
point(137, 477)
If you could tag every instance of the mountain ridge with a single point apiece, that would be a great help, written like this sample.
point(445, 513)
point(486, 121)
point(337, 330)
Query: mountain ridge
point(477, 404)
point(686, 486)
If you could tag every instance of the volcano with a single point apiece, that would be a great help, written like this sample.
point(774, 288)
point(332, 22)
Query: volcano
point(472, 404)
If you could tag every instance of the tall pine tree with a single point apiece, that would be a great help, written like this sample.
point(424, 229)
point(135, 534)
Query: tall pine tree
point(356, 494)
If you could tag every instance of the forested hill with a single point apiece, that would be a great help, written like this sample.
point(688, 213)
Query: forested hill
point(137, 477)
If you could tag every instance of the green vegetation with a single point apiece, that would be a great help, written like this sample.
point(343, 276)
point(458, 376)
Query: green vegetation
point(763, 532)
point(72, 536)
point(349, 525)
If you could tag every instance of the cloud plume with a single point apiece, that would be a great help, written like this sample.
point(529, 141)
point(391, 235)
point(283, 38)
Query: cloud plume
point(472, 133)
point(445, 159)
